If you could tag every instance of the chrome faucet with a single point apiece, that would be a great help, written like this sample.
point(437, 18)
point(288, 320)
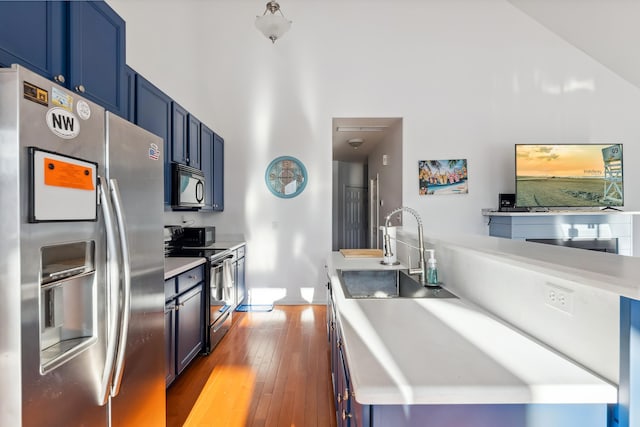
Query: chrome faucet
point(422, 265)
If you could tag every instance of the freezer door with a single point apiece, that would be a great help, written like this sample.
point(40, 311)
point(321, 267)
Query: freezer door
point(136, 164)
point(58, 390)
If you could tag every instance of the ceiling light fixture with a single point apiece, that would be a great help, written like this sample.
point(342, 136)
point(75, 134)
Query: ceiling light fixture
point(272, 25)
point(355, 142)
point(361, 128)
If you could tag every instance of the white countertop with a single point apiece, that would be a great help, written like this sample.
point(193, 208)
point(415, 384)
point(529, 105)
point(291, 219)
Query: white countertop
point(551, 212)
point(448, 351)
point(176, 265)
point(613, 273)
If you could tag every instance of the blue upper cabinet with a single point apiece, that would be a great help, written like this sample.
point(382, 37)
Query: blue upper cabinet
point(153, 113)
point(193, 134)
point(179, 131)
point(213, 168)
point(79, 44)
point(206, 152)
point(33, 34)
point(218, 173)
point(97, 54)
point(130, 88)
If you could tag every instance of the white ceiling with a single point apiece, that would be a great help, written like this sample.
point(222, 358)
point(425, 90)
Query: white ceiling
point(342, 151)
point(606, 30)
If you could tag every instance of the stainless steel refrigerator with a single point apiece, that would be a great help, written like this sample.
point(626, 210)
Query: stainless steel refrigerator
point(81, 261)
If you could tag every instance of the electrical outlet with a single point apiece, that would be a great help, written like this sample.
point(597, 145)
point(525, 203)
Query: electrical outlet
point(558, 297)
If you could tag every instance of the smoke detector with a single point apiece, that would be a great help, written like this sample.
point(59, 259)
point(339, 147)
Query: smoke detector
point(355, 142)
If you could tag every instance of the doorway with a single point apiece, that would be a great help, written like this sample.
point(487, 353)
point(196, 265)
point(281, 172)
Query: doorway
point(367, 178)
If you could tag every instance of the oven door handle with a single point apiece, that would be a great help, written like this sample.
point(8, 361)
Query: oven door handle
point(220, 262)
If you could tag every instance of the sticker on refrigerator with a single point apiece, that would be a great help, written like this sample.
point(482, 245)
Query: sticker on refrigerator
point(83, 110)
point(154, 151)
point(35, 94)
point(63, 123)
point(61, 99)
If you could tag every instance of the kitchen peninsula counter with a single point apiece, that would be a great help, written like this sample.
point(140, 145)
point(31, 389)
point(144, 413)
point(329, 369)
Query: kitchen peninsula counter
point(449, 351)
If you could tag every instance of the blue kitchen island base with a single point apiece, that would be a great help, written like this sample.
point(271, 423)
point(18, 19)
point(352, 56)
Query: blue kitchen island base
point(531, 415)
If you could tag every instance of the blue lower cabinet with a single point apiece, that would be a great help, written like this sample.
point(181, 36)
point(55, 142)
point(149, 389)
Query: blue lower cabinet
point(184, 320)
point(241, 284)
point(627, 414)
point(170, 342)
point(189, 326)
point(538, 415)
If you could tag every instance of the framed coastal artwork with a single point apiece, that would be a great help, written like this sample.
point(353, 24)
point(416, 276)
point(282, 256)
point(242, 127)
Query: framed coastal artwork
point(436, 177)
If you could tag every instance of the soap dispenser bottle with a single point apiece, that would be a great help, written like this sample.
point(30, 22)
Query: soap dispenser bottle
point(432, 269)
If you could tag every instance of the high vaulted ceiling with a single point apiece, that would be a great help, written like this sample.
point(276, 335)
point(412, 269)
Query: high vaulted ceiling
point(606, 30)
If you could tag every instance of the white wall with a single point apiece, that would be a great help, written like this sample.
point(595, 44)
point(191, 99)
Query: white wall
point(469, 78)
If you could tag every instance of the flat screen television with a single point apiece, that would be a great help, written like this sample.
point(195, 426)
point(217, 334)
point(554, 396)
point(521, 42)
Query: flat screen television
point(569, 175)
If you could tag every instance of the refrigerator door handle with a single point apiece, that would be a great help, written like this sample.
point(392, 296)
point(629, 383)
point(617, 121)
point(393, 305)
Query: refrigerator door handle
point(112, 292)
point(126, 291)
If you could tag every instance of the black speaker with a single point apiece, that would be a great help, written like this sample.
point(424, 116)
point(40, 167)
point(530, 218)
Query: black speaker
point(506, 201)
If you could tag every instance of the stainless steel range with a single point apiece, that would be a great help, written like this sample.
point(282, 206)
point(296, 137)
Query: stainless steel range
point(221, 292)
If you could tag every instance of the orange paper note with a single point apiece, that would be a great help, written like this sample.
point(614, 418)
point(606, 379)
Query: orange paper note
point(62, 174)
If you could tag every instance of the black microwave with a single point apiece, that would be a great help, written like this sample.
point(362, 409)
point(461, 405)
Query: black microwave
point(198, 236)
point(188, 187)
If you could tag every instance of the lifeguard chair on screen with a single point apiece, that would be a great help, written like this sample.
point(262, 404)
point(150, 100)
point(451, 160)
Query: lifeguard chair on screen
point(612, 157)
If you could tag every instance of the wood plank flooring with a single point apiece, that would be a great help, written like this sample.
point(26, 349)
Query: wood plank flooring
point(271, 369)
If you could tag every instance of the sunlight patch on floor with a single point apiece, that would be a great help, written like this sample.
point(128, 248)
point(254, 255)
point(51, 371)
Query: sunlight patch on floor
point(241, 380)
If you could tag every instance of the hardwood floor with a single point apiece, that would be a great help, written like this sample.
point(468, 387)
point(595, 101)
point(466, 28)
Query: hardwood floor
point(271, 369)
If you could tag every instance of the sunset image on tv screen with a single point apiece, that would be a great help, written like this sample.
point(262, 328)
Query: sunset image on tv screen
point(569, 175)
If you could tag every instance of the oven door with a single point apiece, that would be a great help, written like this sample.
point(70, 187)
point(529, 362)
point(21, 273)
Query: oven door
point(221, 297)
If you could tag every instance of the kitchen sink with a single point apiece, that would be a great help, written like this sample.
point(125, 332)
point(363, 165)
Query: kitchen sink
point(381, 284)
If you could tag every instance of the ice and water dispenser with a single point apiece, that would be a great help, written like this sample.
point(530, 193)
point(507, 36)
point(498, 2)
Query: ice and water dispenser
point(68, 312)
point(63, 190)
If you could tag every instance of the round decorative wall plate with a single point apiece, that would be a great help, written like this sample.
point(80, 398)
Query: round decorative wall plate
point(286, 177)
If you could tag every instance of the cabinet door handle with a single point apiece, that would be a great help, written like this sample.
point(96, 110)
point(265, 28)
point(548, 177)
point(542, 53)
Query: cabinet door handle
point(59, 78)
point(80, 88)
point(177, 307)
point(345, 414)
